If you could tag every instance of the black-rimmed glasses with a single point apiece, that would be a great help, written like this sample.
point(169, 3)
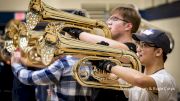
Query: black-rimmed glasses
point(145, 44)
point(115, 19)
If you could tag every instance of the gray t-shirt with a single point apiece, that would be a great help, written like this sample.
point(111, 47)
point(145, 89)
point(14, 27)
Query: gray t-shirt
point(166, 89)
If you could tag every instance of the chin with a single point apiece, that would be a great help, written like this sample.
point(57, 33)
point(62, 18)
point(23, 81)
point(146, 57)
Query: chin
point(141, 60)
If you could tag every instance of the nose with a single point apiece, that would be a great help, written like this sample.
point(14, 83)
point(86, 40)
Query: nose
point(109, 22)
point(138, 49)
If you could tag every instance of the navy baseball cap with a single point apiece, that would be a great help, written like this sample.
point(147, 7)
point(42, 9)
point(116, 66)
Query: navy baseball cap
point(156, 37)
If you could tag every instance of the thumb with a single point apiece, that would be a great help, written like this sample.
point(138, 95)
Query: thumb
point(16, 57)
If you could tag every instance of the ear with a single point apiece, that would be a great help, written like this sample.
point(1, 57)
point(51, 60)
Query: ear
point(159, 52)
point(128, 26)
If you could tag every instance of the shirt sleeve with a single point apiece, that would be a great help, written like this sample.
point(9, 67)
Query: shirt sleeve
point(45, 76)
point(125, 90)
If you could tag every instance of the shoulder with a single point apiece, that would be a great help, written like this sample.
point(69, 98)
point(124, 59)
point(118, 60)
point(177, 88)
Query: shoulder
point(164, 80)
point(163, 75)
point(166, 84)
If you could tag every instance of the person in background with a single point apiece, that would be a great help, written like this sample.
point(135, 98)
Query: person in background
point(58, 74)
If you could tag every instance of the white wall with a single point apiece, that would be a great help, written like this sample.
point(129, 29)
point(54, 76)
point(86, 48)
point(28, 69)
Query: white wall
point(22, 5)
point(173, 26)
point(13, 5)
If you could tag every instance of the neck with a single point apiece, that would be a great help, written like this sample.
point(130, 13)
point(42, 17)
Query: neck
point(153, 67)
point(125, 38)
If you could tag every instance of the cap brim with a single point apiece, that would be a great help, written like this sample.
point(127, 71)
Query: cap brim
point(138, 37)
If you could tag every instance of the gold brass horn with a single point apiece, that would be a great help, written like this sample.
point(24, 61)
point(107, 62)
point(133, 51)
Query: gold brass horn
point(18, 35)
point(54, 44)
point(39, 11)
point(3, 53)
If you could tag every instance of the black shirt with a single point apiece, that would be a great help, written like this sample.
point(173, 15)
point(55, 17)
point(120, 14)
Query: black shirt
point(131, 46)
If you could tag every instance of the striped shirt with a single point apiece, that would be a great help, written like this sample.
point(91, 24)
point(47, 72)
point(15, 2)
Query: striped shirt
point(58, 73)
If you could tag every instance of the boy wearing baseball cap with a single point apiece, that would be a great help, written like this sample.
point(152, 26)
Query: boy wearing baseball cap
point(155, 84)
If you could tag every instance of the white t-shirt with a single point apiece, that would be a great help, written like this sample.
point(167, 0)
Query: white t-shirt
point(166, 89)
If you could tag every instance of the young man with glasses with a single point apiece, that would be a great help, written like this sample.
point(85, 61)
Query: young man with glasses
point(124, 21)
point(155, 84)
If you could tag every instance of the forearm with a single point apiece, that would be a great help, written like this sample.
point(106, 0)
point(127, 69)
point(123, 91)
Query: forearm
point(39, 77)
point(21, 73)
point(84, 36)
point(132, 76)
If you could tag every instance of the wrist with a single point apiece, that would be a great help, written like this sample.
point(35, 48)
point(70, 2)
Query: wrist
point(81, 34)
point(77, 33)
point(16, 68)
point(15, 64)
point(116, 69)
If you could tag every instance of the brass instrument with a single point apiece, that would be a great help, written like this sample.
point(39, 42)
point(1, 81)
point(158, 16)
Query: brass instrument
point(55, 43)
point(39, 11)
point(18, 35)
point(46, 47)
point(9, 40)
point(3, 53)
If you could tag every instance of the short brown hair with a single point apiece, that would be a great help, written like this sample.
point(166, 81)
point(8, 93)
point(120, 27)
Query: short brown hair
point(129, 14)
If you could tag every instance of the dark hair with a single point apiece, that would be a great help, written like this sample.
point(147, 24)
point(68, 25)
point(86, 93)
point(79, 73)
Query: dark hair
point(129, 14)
point(164, 57)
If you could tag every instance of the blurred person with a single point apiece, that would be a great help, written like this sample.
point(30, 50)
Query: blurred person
point(5, 73)
point(22, 92)
point(57, 74)
point(6, 78)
